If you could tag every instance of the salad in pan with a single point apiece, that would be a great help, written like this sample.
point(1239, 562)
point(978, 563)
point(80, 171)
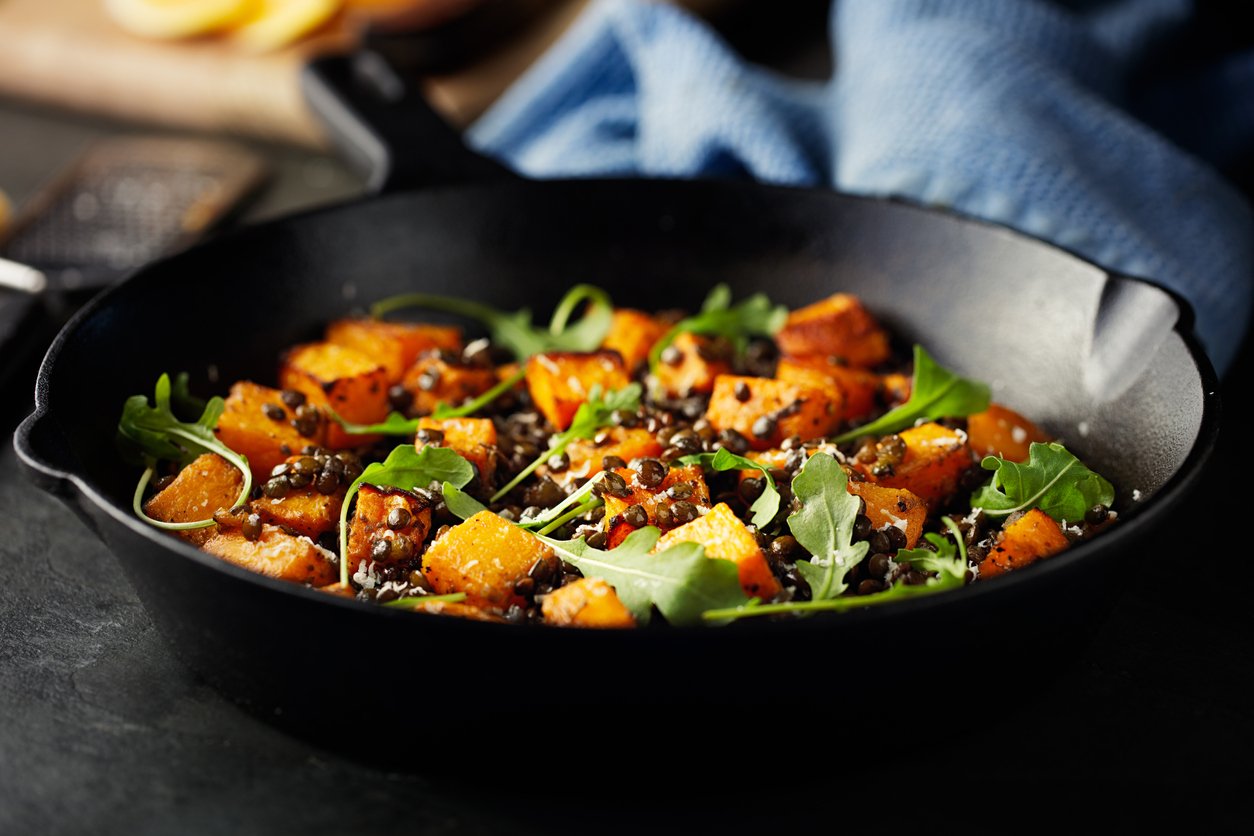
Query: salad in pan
point(612, 468)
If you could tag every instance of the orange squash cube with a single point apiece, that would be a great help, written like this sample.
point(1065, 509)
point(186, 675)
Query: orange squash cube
point(344, 380)
point(586, 455)
point(436, 378)
point(276, 554)
point(862, 392)
point(935, 460)
point(725, 537)
point(560, 381)
point(205, 486)
point(689, 366)
point(258, 425)
point(892, 506)
point(306, 511)
point(398, 519)
point(1000, 431)
point(484, 557)
point(652, 499)
point(839, 327)
point(587, 602)
point(1023, 541)
point(632, 334)
point(393, 345)
point(472, 438)
point(766, 411)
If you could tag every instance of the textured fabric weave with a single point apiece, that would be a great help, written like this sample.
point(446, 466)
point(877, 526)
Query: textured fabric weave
point(1014, 111)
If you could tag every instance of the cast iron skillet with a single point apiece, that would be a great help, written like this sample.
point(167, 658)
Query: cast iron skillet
point(988, 302)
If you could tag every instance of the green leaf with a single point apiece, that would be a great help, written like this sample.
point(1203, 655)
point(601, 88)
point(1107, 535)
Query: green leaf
point(148, 433)
point(394, 424)
point(681, 582)
point(935, 392)
point(766, 506)
point(824, 525)
point(754, 317)
point(404, 468)
point(1052, 479)
point(514, 330)
point(461, 504)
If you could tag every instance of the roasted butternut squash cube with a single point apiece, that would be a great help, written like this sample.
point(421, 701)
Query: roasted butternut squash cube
point(766, 411)
point(936, 457)
point(387, 526)
point(839, 327)
point(1023, 541)
point(472, 438)
point(205, 486)
point(560, 381)
point(725, 537)
point(861, 391)
point(632, 334)
point(586, 455)
point(484, 557)
point(587, 602)
point(394, 345)
point(304, 510)
point(689, 365)
point(685, 483)
point(344, 380)
point(276, 554)
point(437, 378)
point(258, 425)
point(1000, 431)
point(895, 507)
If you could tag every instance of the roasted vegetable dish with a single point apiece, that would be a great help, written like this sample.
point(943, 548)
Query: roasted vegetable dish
point(612, 468)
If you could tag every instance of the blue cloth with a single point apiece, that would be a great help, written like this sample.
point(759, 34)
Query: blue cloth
point(1016, 111)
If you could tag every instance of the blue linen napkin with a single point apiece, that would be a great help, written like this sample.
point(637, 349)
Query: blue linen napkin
point(1016, 111)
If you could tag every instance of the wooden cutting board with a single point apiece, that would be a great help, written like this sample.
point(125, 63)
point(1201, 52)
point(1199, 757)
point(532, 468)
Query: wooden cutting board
point(70, 54)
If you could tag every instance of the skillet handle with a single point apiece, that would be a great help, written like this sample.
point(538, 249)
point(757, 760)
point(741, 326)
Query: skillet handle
point(39, 447)
point(386, 129)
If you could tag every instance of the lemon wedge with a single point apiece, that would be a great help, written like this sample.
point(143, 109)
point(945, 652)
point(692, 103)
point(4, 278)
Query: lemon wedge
point(172, 19)
point(277, 23)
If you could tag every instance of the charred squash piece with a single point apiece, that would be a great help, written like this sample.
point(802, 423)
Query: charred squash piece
point(560, 381)
point(863, 393)
point(682, 484)
point(437, 378)
point(586, 455)
point(205, 486)
point(839, 327)
point(725, 537)
point(257, 424)
point(352, 384)
point(306, 510)
point(632, 334)
point(936, 457)
point(1023, 541)
point(276, 554)
point(484, 557)
point(388, 525)
point(1000, 431)
point(472, 438)
point(689, 366)
point(892, 506)
point(394, 345)
point(587, 602)
point(766, 411)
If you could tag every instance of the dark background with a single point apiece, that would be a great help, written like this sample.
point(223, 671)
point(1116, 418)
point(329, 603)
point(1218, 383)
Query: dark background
point(1148, 720)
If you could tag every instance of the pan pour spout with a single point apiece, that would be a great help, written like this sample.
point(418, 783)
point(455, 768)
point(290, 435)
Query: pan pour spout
point(1133, 318)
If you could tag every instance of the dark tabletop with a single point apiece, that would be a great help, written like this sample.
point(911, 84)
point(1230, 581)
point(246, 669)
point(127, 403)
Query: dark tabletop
point(102, 730)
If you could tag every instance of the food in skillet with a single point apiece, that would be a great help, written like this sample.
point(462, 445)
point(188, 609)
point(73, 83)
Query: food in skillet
point(743, 460)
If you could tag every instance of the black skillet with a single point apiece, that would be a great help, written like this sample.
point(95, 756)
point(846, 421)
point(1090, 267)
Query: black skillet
point(988, 302)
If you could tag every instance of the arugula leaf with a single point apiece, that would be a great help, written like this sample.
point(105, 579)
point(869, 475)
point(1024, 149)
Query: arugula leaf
point(593, 415)
point(151, 433)
point(1052, 479)
point(580, 502)
point(398, 424)
point(754, 317)
point(935, 392)
point(682, 582)
point(461, 504)
point(949, 561)
point(404, 468)
point(824, 525)
point(766, 505)
point(515, 331)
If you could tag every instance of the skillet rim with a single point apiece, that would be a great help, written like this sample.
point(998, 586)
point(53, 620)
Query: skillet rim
point(52, 479)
